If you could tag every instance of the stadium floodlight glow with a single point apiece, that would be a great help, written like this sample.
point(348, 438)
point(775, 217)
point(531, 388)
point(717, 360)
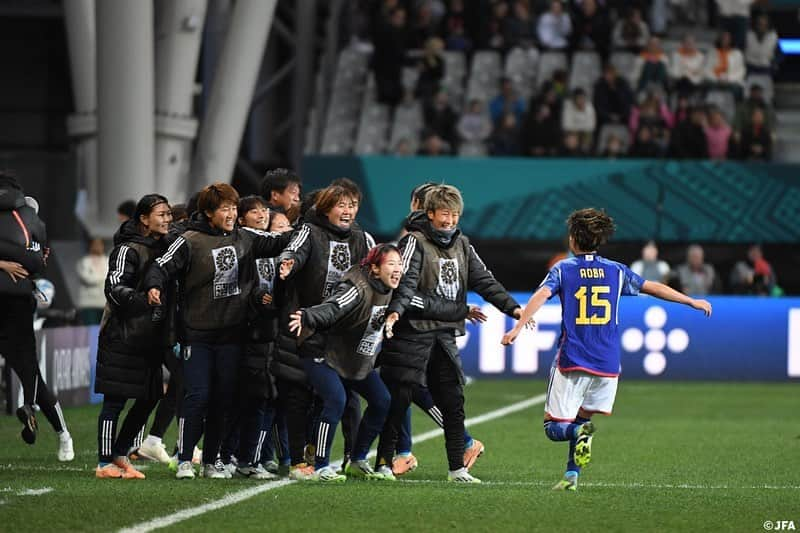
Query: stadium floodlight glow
point(789, 46)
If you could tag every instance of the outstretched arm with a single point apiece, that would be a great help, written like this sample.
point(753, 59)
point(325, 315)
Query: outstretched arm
point(536, 301)
point(294, 257)
point(665, 292)
point(482, 281)
point(324, 316)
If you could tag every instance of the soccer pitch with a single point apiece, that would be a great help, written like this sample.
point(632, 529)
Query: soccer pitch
point(675, 456)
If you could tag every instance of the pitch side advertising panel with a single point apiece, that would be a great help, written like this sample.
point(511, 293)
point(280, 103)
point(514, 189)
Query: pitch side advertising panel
point(746, 339)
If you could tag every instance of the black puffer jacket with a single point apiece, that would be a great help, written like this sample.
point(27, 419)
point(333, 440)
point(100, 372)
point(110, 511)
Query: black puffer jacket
point(23, 238)
point(405, 356)
point(133, 334)
point(255, 378)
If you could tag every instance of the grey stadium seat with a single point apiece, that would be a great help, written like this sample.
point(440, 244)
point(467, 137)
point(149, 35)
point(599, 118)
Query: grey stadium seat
point(585, 71)
point(549, 62)
point(623, 62)
point(725, 101)
point(612, 129)
point(521, 68)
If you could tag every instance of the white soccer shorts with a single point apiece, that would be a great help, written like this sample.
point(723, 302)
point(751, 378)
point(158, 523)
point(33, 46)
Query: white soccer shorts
point(568, 392)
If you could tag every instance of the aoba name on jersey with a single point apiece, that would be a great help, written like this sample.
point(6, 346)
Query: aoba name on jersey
point(595, 273)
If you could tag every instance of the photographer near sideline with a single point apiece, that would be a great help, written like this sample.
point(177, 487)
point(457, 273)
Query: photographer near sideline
point(23, 255)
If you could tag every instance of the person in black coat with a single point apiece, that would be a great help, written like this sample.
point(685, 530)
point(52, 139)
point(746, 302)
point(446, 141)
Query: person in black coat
point(23, 254)
point(131, 339)
point(320, 252)
point(688, 140)
point(437, 259)
point(213, 260)
point(252, 419)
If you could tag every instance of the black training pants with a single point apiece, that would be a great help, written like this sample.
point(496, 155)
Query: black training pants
point(18, 346)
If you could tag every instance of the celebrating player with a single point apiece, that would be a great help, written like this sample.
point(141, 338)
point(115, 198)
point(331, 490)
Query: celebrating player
point(214, 262)
point(132, 337)
point(437, 260)
point(584, 375)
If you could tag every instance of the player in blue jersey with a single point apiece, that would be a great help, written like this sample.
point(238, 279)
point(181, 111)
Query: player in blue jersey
point(583, 379)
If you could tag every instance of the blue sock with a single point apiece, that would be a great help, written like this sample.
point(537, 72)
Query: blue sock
point(560, 431)
point(571, 466)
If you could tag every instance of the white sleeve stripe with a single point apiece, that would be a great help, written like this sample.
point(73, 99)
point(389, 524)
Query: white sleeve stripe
point(116, 276)
point(370, 240)
point(299, 239)
point(351, 297)
point(480, 260)
point(417, 302)
point(408, 253)
point(346, 295)
point(161, 261)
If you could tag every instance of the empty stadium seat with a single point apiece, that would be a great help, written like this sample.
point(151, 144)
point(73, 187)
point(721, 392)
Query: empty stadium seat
point(725, 101)
point(549, 62)
point(612, 129)
point(484, 77)
point(765, 81)
point(472, 150)
point(521, 68)
point(407, 124)
point(623, 62)
point(585, 71)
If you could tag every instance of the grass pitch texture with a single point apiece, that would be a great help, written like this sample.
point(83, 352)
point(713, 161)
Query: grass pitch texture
point(673, 457)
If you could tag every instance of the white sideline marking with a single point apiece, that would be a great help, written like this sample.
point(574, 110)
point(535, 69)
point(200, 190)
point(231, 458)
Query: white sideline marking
point(28, 492)
point(34, 492)
point(37, 468)
point(632, 485)
point(236, 497)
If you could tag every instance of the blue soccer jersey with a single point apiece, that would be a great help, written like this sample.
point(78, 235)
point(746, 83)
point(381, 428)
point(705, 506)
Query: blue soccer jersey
point(590, 287)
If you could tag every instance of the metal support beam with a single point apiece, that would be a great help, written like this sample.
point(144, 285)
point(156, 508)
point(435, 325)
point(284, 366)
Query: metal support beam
point(178, 33)
point(263, 90)
point(125, 98)
point(328, 68)
point(303, 81)
point(82, 124)
point(232, 92)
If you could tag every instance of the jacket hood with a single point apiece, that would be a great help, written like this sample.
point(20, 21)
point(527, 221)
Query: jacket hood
point(129, 232)
point(11, 196)
point(199, 222)
point(419, 221)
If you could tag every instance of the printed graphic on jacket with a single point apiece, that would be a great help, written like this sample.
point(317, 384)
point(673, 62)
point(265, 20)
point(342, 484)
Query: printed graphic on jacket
point(338, 262)
point(266, 273)
point(448, 279)
point(226, 272)
point(370, 343)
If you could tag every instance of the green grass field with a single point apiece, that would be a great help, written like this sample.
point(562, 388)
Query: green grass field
point(675, 456)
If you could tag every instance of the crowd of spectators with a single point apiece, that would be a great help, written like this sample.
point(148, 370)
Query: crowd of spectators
point(663, 113)
point(750, 275)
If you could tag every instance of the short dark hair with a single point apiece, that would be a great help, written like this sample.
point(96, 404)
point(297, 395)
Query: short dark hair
point(216, 194)
point(146, 204)
point(350, 185)
point(127, 208)
point(330, 196)
point(590, 228)
point(179, 212)
point(309, 200)
point(277, 180)
point(419, 192)
point(250, 202)
point(191, 204)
